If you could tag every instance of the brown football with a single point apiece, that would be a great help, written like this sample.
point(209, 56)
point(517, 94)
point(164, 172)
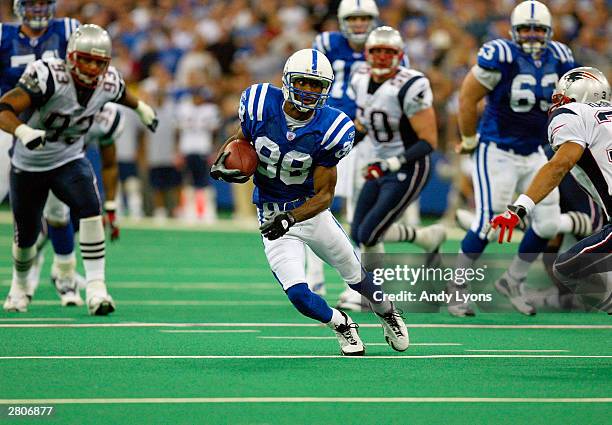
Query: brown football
point(242, 156)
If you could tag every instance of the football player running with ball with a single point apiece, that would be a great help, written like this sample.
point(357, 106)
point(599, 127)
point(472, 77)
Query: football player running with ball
point(580, 132)
point(299, 140)
point(64, 97)
point(517, 77)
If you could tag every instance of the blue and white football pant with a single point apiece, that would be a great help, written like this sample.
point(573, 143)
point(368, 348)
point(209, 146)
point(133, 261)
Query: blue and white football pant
point(327, 239)
point(498, 176)
point(6, 141)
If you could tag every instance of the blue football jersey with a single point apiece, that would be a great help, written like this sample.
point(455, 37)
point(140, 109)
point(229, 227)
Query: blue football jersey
point(287, 159)
point(515, 114)
point(17, 50)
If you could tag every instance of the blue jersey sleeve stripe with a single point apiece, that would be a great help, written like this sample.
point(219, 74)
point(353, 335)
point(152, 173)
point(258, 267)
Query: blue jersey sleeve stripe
point(568, 52)
point(67, 28)
point(332, 128)
point(340, 135)
point(508, 50)
point(262, 101)
point(500, 49)
point(558, 51)
point(252, 95)
point(317, 43)
point(326, 42)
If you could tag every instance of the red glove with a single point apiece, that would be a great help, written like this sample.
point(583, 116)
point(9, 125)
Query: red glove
point(513, 217)
point(374, 170)
point(111, 220)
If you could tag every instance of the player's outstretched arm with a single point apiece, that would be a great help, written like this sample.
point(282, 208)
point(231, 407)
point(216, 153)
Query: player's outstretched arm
point(145, 112)
point(470, 94)
point(549, 177)
point(12, 104)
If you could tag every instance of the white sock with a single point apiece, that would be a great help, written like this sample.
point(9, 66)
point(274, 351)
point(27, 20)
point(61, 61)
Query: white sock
point(22, 261)
point(91, 238)
point(336, 320)
point(565, 224)
point(399, 232)
point(314, 268)
point(64, 266)
point(519, 268)
point(133, 192)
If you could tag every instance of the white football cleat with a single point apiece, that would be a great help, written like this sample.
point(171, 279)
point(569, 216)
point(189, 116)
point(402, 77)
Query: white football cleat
point(395, 331)
point(457, 306)
point(464, 218)
point(99, 302)
point(351, 300)
point(68, 291)
point(17, 300)
point(348, 337)
point(513, 290)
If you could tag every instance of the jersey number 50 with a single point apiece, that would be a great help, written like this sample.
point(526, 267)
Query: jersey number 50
point(524, 88)
point(292, 167)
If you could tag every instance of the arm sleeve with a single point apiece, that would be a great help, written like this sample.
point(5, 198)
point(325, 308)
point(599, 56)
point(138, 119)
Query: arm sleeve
point(245, 122)
point(338, 144)
point(321, 42)
point(566, 125)
point(108, 125)
point(487, 77)
point(416, 95)
point(37, 81)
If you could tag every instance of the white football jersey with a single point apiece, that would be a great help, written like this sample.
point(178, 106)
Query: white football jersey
point(589, 125)
point(56, 109)
point(384, 108)
point(196, 124)
point(107, 126)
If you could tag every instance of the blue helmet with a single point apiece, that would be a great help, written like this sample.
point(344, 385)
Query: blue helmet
point(36, 14)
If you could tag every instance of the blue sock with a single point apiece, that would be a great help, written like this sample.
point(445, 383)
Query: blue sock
point(308, 303)
point(531, 246)
point(62, 239)
point(374, 293)
point(472, 245)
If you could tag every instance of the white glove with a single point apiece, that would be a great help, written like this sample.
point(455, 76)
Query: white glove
point(147, 115)
point(32, 138)
point(468, 144)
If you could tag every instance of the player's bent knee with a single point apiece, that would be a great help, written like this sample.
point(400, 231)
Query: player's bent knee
point(308, 303)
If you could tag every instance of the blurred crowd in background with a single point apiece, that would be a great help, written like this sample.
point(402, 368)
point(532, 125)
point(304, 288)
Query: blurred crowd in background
point(214, 49)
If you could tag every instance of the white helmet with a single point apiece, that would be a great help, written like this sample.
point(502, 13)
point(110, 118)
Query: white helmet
point(35, 15)
point(582, 85)
point(92, 43)
point(385, 37)
point(307, 64)
point(531, 14)
point(348, 8)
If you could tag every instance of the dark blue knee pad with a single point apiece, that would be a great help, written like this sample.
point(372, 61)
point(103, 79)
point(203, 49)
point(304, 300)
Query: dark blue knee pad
point(308, 303)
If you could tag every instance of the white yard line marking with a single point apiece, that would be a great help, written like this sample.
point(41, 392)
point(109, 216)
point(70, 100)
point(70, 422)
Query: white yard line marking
point(396, 357)
point(47, 401)
point(367, 343)
point(518, 351)
point(183, 302)
point(219, 331)
point(412, 344)
point(288, 325)
point(37, 319)
point(297, 337)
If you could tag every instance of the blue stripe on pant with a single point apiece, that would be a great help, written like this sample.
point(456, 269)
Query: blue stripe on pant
point(383, 200)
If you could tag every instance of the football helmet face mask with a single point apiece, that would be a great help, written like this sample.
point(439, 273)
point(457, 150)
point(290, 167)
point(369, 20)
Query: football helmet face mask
point(88, 54)
point(357, 31)
point(531, 26)
point(306, 65)
point(384, 50)
point(36, 14)
point(582, 85)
